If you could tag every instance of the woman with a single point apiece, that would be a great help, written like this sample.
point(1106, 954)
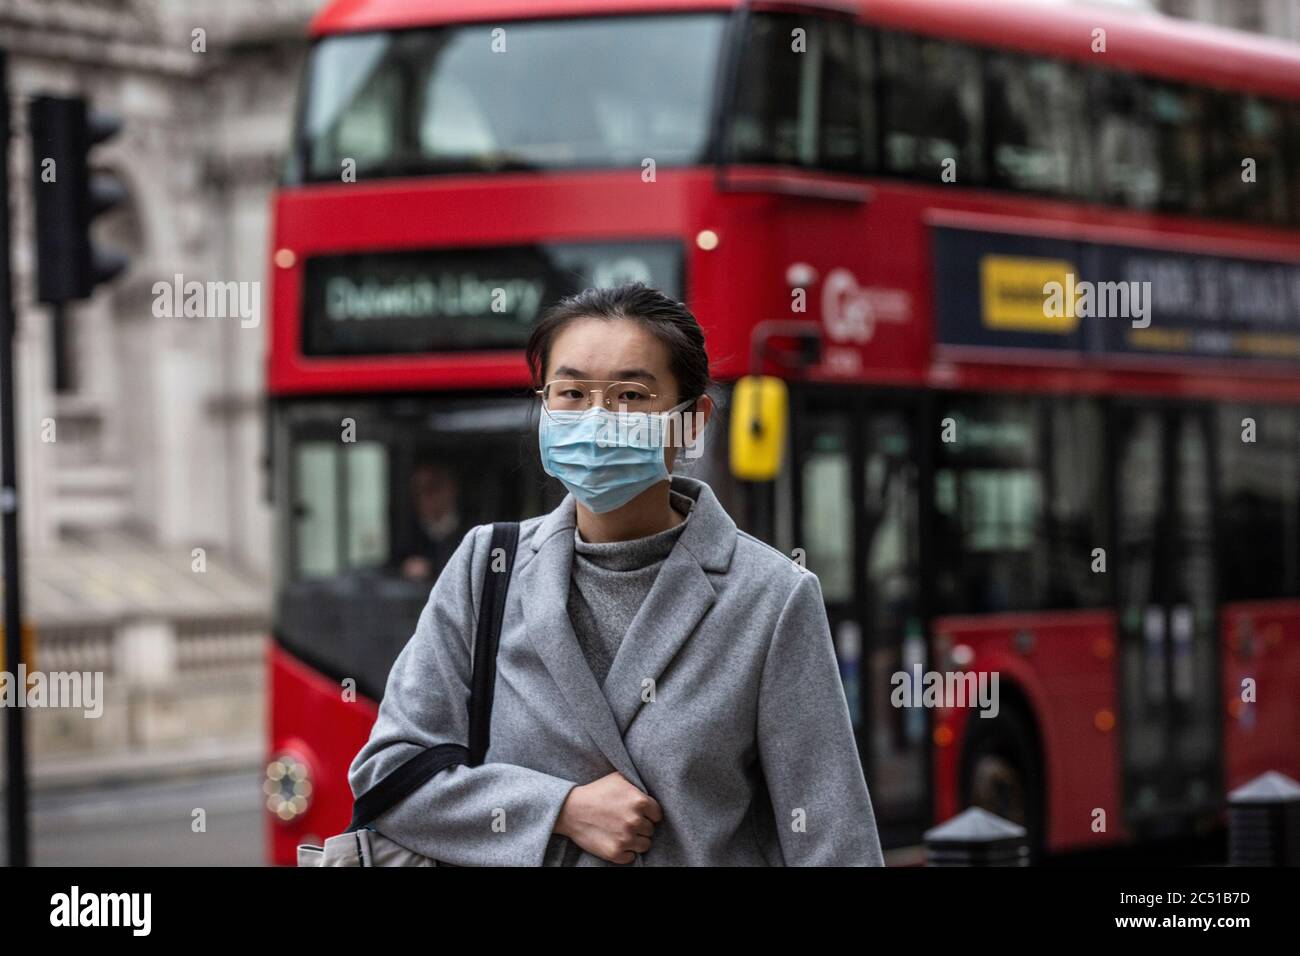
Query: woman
point(667, 690)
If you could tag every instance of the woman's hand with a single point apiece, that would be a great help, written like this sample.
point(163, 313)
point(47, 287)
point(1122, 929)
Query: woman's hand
point(609, 818)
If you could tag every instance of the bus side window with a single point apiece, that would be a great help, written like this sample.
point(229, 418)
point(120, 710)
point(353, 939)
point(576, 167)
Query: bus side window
point(1035, 108)
point(1075, 520)
point(804, 96)
point(1292, 166)
point(1019, 505)
point(1176, 113)
point(989, 507)
point(826, 535)
point(932, 109)
point(1259, 502)
point(845, 122)
point(1247, 165)
point(766, 122)
point(1126, 163)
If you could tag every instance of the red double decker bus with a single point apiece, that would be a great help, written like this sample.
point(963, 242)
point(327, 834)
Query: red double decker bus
point(1089, 500)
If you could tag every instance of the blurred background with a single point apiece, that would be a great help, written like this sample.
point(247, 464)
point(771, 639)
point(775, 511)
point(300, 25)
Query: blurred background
point(193, 503)
point(160, 424)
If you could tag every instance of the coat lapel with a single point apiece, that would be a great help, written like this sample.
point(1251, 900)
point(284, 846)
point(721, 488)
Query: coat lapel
point(544, 591)
point(679, 598)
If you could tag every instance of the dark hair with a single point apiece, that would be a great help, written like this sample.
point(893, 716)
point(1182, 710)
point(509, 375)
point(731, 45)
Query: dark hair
point(670, 322)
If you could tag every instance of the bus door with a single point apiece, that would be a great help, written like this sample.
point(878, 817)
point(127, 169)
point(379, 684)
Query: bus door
point(1165, 589)
point(854, 516)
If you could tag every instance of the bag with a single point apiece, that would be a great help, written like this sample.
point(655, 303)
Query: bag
point(361, 844)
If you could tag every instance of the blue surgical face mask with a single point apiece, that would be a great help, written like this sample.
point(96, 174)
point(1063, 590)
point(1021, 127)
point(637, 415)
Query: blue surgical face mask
point(605, 458)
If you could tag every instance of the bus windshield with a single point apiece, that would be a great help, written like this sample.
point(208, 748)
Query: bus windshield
point(378, 494)
point(597, 92)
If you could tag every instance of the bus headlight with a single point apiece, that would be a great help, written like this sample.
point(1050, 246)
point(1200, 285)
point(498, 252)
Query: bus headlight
point(287, 787)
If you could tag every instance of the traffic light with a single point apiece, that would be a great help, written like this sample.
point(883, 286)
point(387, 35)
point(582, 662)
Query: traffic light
point(69, 196)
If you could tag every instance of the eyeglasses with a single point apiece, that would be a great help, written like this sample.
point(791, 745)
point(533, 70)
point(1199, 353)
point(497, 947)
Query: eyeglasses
point(571, 394)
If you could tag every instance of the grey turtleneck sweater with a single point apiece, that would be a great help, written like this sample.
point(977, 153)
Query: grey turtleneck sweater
point(607, 587)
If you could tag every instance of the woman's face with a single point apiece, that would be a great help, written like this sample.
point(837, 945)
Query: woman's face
point(616, 350)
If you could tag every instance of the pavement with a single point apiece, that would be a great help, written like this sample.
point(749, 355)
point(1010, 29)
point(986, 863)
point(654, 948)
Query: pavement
point(140, 809)
point(81, 771)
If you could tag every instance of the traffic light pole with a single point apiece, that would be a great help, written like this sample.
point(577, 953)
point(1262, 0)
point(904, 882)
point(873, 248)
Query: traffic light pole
point(62, 367)
point(15, 751)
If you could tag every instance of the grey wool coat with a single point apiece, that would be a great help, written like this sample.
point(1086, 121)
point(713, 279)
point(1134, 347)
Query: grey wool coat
point(724, 703)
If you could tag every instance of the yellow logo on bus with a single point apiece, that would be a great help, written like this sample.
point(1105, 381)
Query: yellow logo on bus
point(1014, 297)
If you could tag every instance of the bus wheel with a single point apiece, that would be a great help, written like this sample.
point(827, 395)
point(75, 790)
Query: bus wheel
point(1001, 773)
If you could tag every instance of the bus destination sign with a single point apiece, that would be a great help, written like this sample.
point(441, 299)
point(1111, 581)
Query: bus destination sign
point(435, 300)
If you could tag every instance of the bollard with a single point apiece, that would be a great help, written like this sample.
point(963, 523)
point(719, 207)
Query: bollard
point(976, 837)
point(1264, 822)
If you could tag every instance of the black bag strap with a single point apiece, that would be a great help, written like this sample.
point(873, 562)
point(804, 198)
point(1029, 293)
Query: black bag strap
point(492, 611)
point(412, 774)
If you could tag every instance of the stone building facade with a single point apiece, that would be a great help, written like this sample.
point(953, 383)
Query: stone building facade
point(1279, 18)
point(159, 440)
point(162, 429)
